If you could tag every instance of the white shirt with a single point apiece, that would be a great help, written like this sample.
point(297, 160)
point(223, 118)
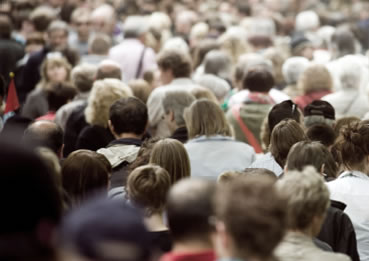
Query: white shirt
point(239, 97)
point(268, 162)
point(352, 188)
point(211, 156)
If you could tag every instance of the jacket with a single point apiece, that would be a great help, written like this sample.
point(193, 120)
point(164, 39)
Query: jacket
point(297, 246)
point(94, 137)
point(36, 104)
point(180, 134)
point(121, 153)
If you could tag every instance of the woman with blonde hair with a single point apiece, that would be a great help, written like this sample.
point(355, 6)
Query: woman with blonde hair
point(211, 148)
point(171, 155)
point(104, 93)
point(55, 69)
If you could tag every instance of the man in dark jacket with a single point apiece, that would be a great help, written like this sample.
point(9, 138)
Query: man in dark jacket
point(128, 121)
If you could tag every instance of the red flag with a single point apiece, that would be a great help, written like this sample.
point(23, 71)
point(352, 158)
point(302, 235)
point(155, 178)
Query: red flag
point(12, 102)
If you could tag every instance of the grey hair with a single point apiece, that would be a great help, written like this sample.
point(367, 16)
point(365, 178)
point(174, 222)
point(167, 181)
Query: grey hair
point(314, 119)
point(216, 85)
point(350, 72)
point(293, 68)
point(58, 25)
point(218, 63)
point(306, 21)
point(135, 25)
point(177, 101)
point(83, 76)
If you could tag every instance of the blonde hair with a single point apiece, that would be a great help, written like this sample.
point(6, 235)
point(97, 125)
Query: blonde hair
point(171, 155)
point(141, 89)
point(316, 77)
point(205, 117)
point(307, 196)
point(103, 94)
point(58, 61)
point(203, 93)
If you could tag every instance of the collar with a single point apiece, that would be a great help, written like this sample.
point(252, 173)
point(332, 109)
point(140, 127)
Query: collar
point(210, 138)
point(180, 81)
point(354, 173)
point(127, 141)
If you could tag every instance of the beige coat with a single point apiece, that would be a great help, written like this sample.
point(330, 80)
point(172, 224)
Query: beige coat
point(296, 246)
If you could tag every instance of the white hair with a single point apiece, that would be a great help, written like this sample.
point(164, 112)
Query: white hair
point(135, 25)
point(261, 27)
point(103, 11)
point(350, 72)
point(215, 84)
point(307, 21)
point(159, 21)
point(251, 60)
point(176, 44)
point(199, 31)
point(293, 68)
point(325, 34)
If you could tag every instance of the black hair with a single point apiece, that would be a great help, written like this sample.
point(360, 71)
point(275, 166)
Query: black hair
point(258, 80)
point(284, 110)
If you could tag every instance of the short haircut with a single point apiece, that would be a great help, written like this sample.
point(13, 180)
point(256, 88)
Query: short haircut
point(253, 204)
point(281, 111)
point(99, 44)
point(148, 186)
point(293, 68)
point(315, 77)
point(129, 115)
point(215, 84)
point(83, 76)
point(58, 25)
point(218, 63)
point(204, 117)
point(322, 133)
point(203, 93)
point(78, 13)
point(44, 134)
point(108, 69)
point(60, 94)
point(284, 136)
point(178, 62)
point(176, 101)
point(171, 155)
point(84, 173)
point(307, 197)
point(189, 207)
point(42, 16)
point(5, 27)
point(141, 89)
point(258, 80)
point(312, 153)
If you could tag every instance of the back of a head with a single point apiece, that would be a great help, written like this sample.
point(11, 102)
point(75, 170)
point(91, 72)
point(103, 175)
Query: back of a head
point(60, 94)
point(42, 16)
point(99, 44)
point(258, 80)
point(322, 133)
point(108, 69)
point(141, 89)
point(35, 205)
point(218, 63)
point(316, 77)
point(176, 101)
point(44, 134)
point(307, 21)
point(176, 61)
point(353, 145)
point(305, 153)
point(344, 42)
point(319, 112)
point(189, 207)
point(281, 111)
point(171, 155)
point(284, 136)
point(134, 26)
point(5, 27)
point(85, 173)
point(307, 197)
point(351, 72)
point(215, 84)
point(293, 68)
point(83, 77)
point(343, 122)
point(205, 117)
point(128, 115)
point(147, 187)
point(203, 93)
point(253, 204)
point(86, 232)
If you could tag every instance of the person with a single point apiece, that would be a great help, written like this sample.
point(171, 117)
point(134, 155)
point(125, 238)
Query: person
point(292, 69)
point(284, 135)
point(216, 85)
point(349, 100)
point(54, 70)
point(350, 186)
point(210, 147)
point(337, 229)
point(253, 204)
point(78, 38)
point(189, 207)
point(44, 134)
point(203, 93)
point(227, 176)
point(174, 104)
point(171, 155)
point(132, 55)
point(28, 232)
point(218, 63)
point(103, 94)
point(315, 82)
point(82, 77)
point(127, 122)
point(98, 49)
point(59, 95)
point(247, 118)
point(147, 187)
point(307, 205)
point(319, 112)
point(85, 234)
point(175, 70)
point(141, 89)
point(85, 173)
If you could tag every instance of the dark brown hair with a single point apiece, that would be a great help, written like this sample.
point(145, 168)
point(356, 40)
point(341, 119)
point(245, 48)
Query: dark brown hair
point(258, 80)
point(85, 172)
point(179, 63)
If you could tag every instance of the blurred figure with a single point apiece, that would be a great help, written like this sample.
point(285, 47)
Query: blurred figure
point(98, 49)
point(78, 39)
point(141, 89)
point(103, 20)
point(292, 69)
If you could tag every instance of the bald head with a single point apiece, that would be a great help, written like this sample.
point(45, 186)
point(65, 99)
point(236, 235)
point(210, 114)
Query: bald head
point(189, 207)
point(108, 69)
point(44, 134)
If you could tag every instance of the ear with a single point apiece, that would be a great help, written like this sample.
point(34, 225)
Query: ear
point(61, 152)
point(322, 169)
point(222, 243)
point(285, 168)
point(171, 115)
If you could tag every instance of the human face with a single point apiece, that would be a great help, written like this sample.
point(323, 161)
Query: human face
point(82, 25)
point(58, 39)
point(56, 73)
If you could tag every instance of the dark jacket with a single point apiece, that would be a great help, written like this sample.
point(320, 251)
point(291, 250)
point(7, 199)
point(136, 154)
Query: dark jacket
point(121, 153)
point(180, 134)
point(94, 137)
point(10, 53)
point(75, 124)
point(338, 231)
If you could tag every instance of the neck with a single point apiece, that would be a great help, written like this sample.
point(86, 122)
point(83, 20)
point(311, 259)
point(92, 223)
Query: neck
point(128, 136)
point(155, 222)
point(307, 232)
point(194, 245)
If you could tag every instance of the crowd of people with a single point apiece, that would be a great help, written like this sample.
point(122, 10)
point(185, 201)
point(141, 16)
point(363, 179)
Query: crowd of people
point(137, 130)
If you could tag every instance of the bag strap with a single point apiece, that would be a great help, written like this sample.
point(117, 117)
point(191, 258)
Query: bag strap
point(248, 134)
point(139, 67)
